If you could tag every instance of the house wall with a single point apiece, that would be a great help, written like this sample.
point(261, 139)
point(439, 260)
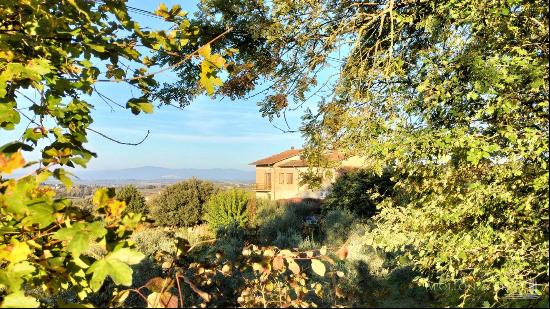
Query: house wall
point(287, 191)
point(355, 161)
point(260, 174)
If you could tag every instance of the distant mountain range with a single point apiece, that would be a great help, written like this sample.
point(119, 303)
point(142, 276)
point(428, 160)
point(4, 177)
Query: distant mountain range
point(166, 174)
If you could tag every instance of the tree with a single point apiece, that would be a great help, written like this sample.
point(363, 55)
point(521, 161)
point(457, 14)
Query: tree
point(452, 95)
point(135, 201)
point(359, 191)
point(57, 52)
point(182, 204)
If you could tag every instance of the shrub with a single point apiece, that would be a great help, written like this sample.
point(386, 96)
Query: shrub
point(263, 209)
point(336, 226)
point(182, 204)
point(153, 240)
point(309, 244)
point(85, 206)
point(359, 191)
point(279, 225)
point(282, 223)
point(195, 234)
point(305, 207)
point(135, 201)
point(288, 239)
point(231, 240)
point(227, 207)
point(261, 277)
point(389, 278)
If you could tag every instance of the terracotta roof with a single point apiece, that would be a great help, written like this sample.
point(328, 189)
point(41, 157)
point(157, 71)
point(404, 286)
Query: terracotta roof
point(277, 157)
point(294, 163)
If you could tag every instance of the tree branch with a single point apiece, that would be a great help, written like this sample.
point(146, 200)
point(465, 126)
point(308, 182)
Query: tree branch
point(117, 141)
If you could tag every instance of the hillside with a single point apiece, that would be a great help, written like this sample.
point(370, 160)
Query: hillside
point(167, 174)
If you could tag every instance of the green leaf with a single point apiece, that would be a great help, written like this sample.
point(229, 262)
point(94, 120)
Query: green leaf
point(140, 104)
point(61, 175)
point(119, 271)
point(127, 255)
point(33, 135)
point(116, 266)
point(43, 215)
point(19, 300)
point(80, 235)
point(97, 48)
point(39, 67)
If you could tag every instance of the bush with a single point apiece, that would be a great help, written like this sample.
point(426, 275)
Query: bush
point(359, 191)
point(288, 239)
point(227, 207)
point(336, 226)
point(182, 204)
point(153, 240)
point(135, 201)
point(195, 234)
point(281, 224)
point(309, 244)
point(85, 206)
point(305, 207)
point(261, 209)
point(231, 240)
point(389, 278)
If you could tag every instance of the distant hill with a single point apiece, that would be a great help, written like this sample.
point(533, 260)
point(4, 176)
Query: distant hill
point(167, 174)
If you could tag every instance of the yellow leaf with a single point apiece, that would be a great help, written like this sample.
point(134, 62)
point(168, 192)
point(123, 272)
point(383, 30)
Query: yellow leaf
point(162, 8)
point(116, 207)
point(15, 252)
point(217, 60)
point(287, 253)
point(162, 300)
point(269, 252)
point(257, 266)
point(205, 51)
point(13, 162)
point(293, 266)
point(278, 263)
point(318, 267)
point(19, 300)
point(102, 197)
point(226, 268)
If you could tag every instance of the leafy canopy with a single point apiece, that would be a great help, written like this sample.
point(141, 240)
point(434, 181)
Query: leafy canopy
point(135, 201)
point(182, 204)
point(52, 56)
point(451, 95)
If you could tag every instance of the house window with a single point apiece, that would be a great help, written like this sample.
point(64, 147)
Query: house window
point(281, 178)
point(289, 178)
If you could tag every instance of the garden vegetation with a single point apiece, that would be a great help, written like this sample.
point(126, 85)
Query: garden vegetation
point(447, 100)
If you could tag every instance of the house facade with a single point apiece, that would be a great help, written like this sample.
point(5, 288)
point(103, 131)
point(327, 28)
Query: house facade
point(278, 176)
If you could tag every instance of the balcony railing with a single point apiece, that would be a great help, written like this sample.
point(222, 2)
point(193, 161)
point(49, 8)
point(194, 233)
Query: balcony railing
point(262, 187)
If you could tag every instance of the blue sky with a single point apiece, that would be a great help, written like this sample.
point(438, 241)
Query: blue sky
point(210, 133)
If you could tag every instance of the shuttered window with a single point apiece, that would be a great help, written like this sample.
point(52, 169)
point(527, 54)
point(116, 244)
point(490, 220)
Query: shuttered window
point(289, 178)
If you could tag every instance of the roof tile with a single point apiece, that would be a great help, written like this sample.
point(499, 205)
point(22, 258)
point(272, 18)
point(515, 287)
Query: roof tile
point(294, 163)
point(277, 157)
